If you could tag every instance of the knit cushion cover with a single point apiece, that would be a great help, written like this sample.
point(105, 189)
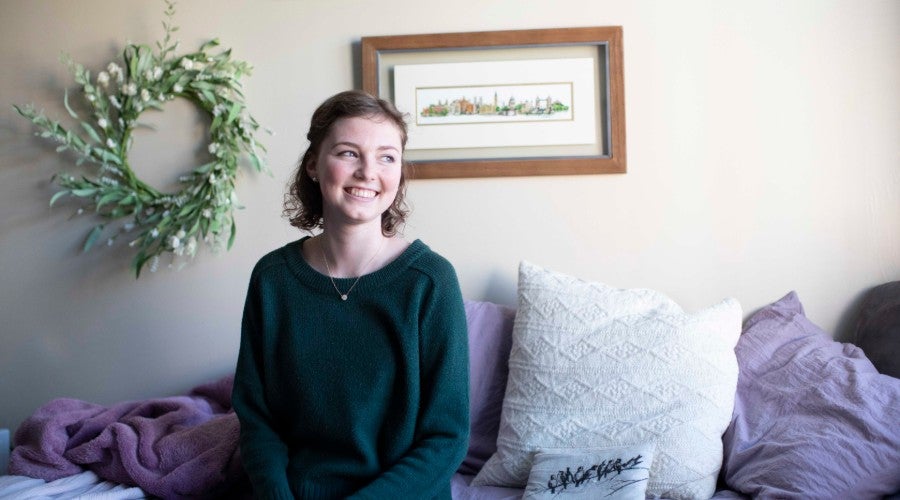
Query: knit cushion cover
point(594, 366)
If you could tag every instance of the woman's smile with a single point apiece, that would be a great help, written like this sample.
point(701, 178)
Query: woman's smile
point(361, 192)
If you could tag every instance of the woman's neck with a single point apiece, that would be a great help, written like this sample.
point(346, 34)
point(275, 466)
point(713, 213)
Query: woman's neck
point(350, 255)
point(345, 252)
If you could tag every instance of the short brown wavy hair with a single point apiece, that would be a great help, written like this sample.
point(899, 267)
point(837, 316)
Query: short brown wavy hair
point(303, 201)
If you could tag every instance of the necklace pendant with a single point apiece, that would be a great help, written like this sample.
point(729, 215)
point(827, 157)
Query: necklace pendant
point(334, 284)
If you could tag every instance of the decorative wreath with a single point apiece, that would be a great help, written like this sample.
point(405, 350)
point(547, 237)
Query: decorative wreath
point(202, 211)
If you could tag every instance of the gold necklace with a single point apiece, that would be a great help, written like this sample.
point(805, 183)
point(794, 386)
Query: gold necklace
point(328, 268)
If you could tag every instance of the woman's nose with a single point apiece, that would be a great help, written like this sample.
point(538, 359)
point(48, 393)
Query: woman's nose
point(366, 168)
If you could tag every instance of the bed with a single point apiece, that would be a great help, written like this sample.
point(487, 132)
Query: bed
point(811, 417)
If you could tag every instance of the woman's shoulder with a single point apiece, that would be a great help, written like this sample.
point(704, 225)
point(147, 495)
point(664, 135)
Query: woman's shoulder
point(277, 259)
point(429, 262)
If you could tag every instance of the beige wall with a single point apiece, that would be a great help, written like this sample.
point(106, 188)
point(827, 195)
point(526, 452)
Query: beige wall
point(762, 156)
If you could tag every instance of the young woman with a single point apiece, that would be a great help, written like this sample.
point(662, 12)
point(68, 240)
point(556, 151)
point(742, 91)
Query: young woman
point(352, 377)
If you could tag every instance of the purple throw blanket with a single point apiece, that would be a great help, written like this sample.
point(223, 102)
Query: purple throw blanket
point(175, 447)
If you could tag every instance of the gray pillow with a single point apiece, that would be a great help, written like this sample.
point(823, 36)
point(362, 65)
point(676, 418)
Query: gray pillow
point(878, 328)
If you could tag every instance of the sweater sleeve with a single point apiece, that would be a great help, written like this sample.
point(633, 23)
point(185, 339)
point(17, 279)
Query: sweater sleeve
point(442, 431)
point(263, 452)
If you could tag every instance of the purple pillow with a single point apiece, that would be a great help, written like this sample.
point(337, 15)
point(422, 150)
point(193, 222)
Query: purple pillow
point(490, 339)
point(813, 418)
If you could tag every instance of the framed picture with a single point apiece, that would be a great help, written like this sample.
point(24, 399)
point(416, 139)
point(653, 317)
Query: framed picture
point(505, 103)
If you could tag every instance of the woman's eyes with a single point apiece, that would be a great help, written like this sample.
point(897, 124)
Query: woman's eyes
point(387, 158)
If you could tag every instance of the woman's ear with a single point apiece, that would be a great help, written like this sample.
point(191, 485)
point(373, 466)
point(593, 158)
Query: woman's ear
point(311, 168)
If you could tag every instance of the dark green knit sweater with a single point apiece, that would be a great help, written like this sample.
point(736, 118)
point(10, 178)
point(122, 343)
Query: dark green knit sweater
point(363, 398)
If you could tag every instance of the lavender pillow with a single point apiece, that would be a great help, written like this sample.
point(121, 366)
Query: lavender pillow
point(813, 418)
point(490, 339)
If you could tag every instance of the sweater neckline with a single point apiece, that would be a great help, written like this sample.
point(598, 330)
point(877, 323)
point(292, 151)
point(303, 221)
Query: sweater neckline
point(322, 283)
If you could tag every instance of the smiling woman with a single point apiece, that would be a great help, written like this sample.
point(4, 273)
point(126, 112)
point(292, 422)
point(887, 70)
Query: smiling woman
point(359, 170)
point(352, 376)
point(303, 205)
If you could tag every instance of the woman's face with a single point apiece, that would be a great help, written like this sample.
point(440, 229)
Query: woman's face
point(358, 166)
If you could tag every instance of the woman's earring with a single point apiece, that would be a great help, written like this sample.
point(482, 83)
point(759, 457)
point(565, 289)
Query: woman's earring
point(315, 179)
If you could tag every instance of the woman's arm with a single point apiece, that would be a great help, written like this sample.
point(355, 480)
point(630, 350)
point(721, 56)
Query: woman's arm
point(263, 453)
point(442, 431)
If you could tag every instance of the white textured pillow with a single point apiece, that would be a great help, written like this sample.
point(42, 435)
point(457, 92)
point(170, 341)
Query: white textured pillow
point(594, 366)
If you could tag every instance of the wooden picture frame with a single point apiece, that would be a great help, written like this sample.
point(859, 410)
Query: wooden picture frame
point(586, 137)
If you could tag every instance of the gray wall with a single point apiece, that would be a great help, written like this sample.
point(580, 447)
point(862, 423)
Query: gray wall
point(762, 157)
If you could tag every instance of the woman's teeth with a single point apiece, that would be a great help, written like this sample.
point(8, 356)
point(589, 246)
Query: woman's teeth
point(362, 193)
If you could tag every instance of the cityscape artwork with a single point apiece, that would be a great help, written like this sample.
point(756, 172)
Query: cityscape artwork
point(505, 103)
point(494, 104)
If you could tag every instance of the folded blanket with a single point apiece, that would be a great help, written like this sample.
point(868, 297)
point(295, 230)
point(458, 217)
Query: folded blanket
point(84, 486)
point(175, 447)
